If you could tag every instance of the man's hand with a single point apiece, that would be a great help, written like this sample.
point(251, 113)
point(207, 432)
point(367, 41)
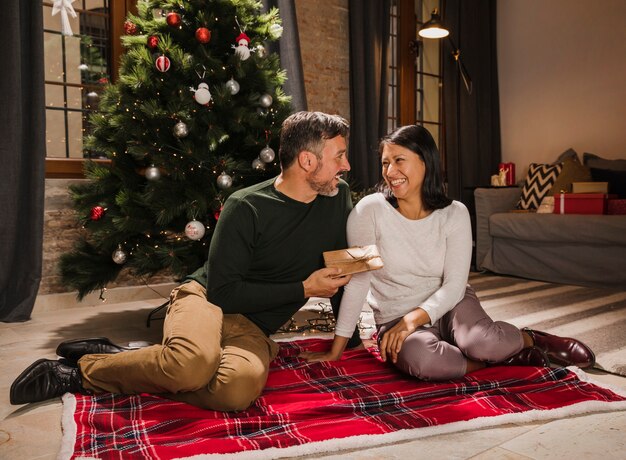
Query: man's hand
point(324, 282)
point(393, 339)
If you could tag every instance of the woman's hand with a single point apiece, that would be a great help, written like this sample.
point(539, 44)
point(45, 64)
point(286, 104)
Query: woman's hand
point(334, 354)
point(393, 339)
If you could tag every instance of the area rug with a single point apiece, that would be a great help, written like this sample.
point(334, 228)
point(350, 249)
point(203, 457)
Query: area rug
point(312, 408)
point(597, 316)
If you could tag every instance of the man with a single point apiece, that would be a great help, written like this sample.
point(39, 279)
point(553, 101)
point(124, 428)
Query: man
point(264, 263)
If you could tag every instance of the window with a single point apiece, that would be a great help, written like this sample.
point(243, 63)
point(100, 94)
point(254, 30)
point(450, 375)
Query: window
point(415, 88)
point(76, 69)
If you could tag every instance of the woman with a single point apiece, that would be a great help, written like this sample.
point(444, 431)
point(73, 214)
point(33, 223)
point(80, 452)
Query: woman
point(430, 322)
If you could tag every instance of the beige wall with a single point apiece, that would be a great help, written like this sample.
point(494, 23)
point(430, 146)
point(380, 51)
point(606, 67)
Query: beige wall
point(562, 73)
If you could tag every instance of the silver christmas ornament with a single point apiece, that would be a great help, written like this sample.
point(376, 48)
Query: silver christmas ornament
point(261, 51)
point(153, 173)
point(119, 256)
point(267, 155)
point(224, 181)
point(266, 100)
point(258, 164)
point(181, 129)
point(194, 230)
point(233, 86)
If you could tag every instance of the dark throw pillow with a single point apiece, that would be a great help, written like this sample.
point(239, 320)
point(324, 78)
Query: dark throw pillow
point(537, 185)
point(615, 178)
point(572, 171)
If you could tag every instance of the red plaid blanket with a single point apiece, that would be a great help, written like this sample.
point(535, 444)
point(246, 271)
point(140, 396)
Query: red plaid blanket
point(337, 403)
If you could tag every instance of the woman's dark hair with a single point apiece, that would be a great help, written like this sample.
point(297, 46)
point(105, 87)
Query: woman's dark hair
point(418, 140)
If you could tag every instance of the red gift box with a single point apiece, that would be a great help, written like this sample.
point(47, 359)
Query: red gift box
point(581, 203)
point(616, 207)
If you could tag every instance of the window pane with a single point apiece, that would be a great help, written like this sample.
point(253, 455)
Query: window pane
point(53, 57)
point(434, 131)
point(75, 132)
point(431, 91)
point(430, 62)
point(55, 96)
point(72, 59)
point(74, 98)
point(55, 133)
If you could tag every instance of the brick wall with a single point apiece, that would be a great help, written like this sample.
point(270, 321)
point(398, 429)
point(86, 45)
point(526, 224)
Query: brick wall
point(323, 31)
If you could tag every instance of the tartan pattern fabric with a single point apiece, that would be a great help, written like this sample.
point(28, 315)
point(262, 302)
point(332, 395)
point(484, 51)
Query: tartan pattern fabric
point(538, 183)
point(304, 403)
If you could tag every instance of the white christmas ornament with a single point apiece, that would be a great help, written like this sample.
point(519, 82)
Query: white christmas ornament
point(119, 255)
point(194, 230)
point(266, 100)
point(267, 155)
point(276, 30)
point(181, 129)
point(233, 86)
point(242, 49)
point(202, 94)
point(260, 51)
point(258, 164)
point(224, 181)
point(153, 173)
point(65, 8)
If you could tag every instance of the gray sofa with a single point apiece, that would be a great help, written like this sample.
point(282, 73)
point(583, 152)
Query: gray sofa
point(588, 250)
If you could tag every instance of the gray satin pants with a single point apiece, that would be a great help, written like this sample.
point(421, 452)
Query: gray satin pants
point(440, 352)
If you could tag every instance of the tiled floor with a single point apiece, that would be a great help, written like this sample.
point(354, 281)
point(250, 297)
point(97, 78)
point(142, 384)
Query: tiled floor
point(34, 431)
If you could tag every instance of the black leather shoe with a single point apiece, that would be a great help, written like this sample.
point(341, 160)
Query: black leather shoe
point(531, 356)
point(45, 379)
point(563, 351)
point(73, 350)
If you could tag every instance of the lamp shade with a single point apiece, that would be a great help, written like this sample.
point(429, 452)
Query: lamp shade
point(433, 28)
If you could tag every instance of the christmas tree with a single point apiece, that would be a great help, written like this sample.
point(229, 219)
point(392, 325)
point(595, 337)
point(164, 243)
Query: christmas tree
point(194, 115)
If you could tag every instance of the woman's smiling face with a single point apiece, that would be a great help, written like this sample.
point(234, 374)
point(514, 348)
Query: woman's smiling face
point(403, 171)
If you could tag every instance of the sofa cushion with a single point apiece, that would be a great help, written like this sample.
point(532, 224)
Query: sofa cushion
point(586, 229)
point(538, 183)
point(594, 161)
point(572, 171)
point(615, 178)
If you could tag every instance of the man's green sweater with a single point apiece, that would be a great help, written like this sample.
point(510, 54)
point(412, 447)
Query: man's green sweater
point(265, 245)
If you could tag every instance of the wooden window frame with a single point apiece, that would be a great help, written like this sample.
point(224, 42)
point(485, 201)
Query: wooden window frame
point(70, 168)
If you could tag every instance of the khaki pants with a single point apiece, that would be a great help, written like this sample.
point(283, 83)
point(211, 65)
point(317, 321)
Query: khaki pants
point(207, 359)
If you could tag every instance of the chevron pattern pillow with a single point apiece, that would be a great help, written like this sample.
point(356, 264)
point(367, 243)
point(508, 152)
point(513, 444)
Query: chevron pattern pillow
point(538, 183)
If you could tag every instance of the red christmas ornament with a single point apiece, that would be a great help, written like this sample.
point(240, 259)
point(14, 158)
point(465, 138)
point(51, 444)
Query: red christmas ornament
point(162, 63)
point(153, 41)
point(217, 213)
point(97, 213)
point(173, 19)
point(203, 35)
point(130, 28)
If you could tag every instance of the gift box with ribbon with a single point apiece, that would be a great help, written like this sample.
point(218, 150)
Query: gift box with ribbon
point(354, 260)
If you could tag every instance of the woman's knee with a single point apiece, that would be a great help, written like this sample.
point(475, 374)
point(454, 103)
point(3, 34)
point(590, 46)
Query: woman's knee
point(492, 343)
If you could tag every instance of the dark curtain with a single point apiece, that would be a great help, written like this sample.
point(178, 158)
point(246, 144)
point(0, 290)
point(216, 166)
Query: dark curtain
point(472, 122)
point(369, 34)
point(288, 47)
point(22, 130)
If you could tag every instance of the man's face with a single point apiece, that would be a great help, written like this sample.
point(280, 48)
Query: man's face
point(324, 179)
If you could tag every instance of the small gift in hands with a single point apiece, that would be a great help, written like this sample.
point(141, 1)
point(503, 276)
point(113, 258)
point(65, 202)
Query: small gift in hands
point(354, 260)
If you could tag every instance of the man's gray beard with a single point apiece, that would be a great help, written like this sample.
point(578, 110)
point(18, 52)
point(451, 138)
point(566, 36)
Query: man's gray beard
point(324, 188)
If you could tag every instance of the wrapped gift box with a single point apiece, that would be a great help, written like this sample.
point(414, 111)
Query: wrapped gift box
point(616, 206)
point(581, 203)
point(590, 187)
